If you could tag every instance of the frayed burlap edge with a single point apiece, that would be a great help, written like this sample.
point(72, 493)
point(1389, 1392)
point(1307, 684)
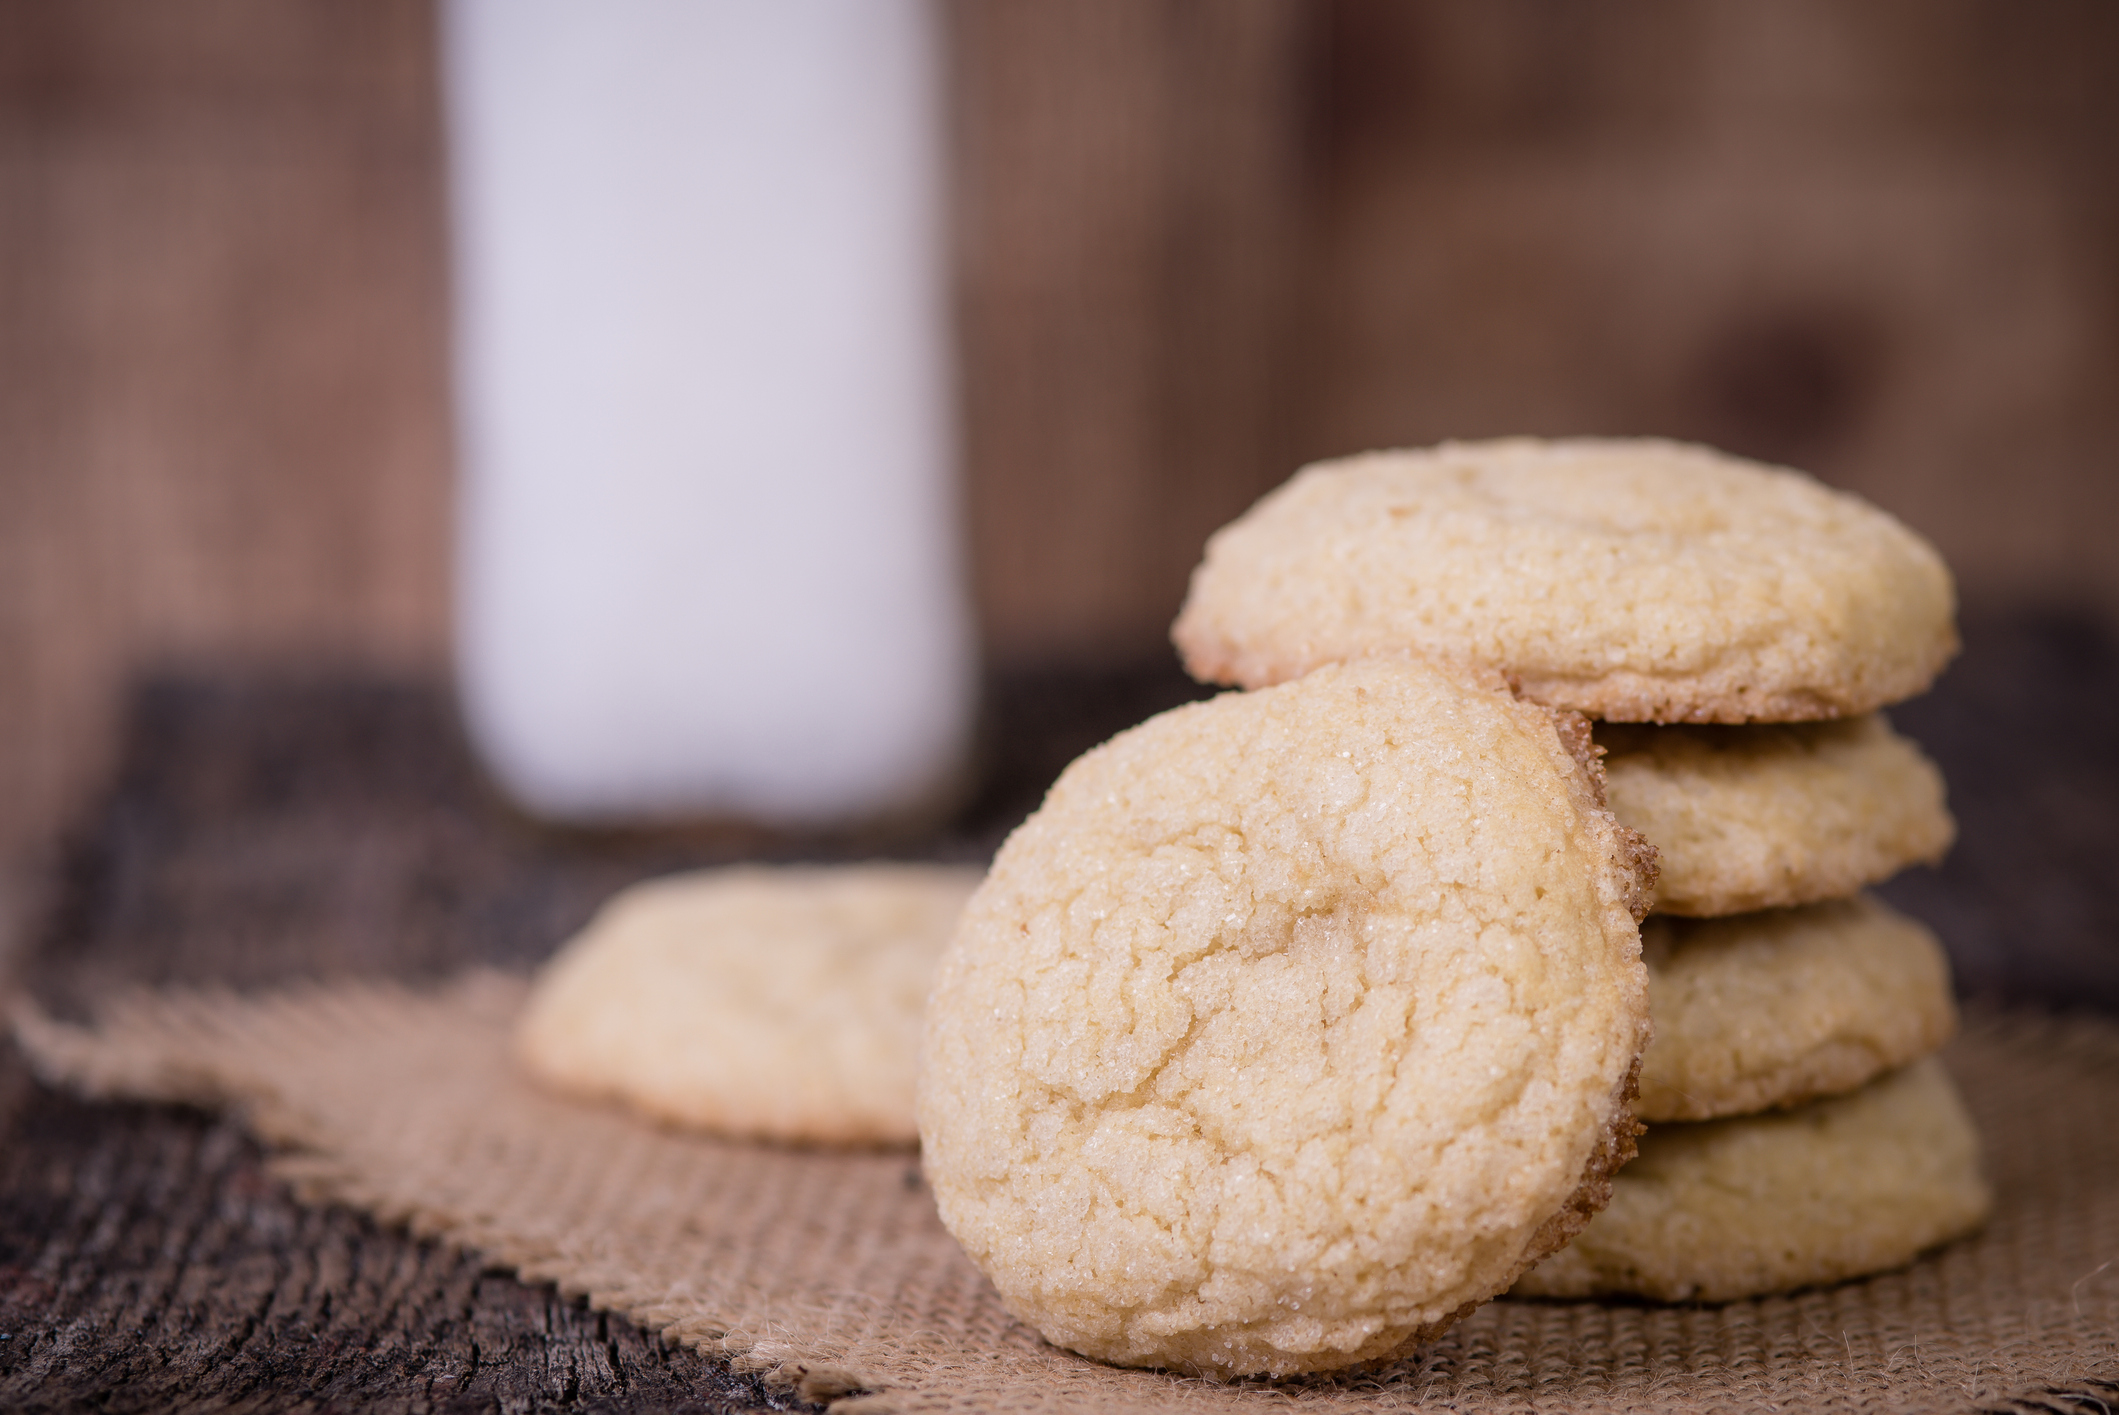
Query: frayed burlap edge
point(828, 1271)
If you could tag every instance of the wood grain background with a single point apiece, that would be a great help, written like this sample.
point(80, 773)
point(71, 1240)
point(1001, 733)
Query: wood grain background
point(1199, 241)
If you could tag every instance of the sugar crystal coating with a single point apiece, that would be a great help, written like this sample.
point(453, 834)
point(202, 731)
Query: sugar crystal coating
point(1770, 1009)
point(1764, 816)
point(1639, 581)
point(1839, 1188)
point(782, 1003)
point(1294, 1024)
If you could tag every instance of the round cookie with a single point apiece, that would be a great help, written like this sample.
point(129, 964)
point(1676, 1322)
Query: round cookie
point(1639, 581)
point(1292, 1026)
point(1773, 1009)
point(778, 1003)
point(1765, 816)
point(1767, 1203)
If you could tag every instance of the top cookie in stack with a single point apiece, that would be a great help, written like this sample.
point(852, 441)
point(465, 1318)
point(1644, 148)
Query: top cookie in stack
point(1755, 619)
point(1633, 581)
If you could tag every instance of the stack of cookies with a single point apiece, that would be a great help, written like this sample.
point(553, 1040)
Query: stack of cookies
point(1792, 1016)
point(1734, 630)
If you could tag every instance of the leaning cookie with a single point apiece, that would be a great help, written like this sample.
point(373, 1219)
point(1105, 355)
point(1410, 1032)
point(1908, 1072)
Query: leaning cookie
point(1764, 1010)
point(1738, 1208)
point(1294, 1025)
point(1764, 816)
point(776, 1003)
point(1639, 581)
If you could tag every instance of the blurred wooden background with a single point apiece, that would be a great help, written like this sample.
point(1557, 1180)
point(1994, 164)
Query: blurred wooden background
point(1199, 241)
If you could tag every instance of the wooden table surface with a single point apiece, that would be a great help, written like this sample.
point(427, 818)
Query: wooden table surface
point(265, 830)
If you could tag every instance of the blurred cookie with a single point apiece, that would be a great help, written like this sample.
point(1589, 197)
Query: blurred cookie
point(1772, 1009)
point(1639, 581)
point(1764, 816)
point(1292, 1026)
point(1841, 1188)
point(779, 1003)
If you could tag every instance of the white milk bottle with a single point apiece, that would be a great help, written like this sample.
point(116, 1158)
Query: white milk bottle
point(708, 545)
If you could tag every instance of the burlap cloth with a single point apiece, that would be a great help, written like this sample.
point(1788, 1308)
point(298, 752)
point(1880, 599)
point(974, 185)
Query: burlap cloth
point(831, 1271)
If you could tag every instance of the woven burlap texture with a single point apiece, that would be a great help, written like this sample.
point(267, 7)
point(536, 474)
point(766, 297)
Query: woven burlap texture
point(829, 1270)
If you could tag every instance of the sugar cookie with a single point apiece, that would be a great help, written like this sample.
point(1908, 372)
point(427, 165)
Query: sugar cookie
point(1640, 581)
point(780, 1003)
point(1293, 1025)
point(1763, 816)
point(1766, 1203)
point(1771, 1009)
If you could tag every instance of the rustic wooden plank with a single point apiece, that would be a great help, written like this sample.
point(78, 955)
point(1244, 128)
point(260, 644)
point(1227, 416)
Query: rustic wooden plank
point(148, 1262)
point(223, 402)
point(2028, 901)
point(1129, 208)
point(1873, 241)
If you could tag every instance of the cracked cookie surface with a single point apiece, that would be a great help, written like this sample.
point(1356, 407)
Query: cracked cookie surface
point(1839, 1188)
point(1293, 1025)
point(1765, 816)
point(1758, 1011)
point(778, 1003)
point(1638, 581)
